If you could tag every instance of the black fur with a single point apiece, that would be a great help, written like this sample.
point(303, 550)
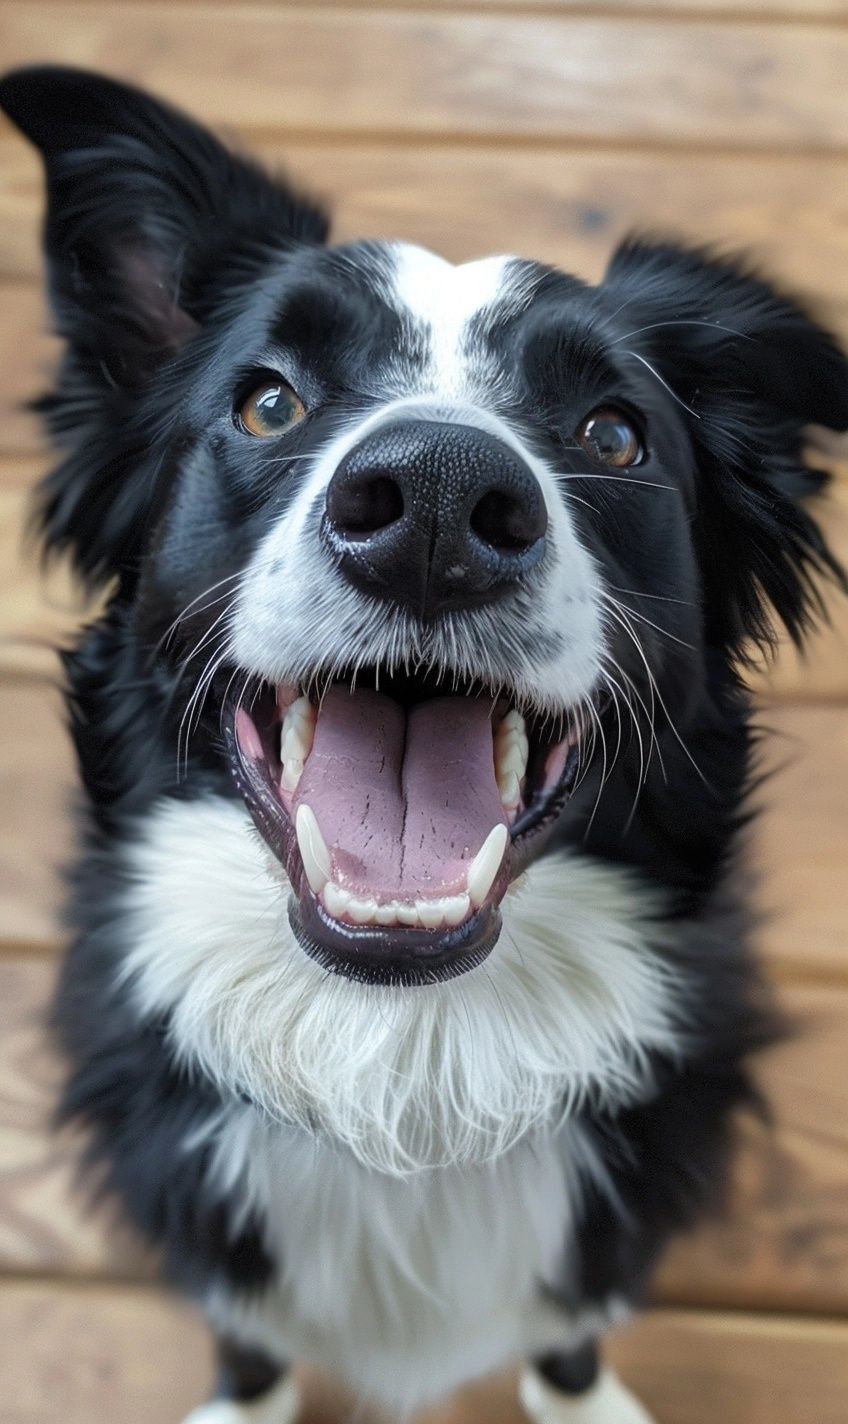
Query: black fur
point(166, 256)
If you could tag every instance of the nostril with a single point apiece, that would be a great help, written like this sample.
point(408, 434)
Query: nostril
point(364, 506)
point(506, 523)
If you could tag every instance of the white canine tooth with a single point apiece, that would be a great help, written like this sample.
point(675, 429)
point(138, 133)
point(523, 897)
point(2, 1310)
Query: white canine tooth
point(313, 849)
point(362, 912)
point(486, 864)
point(456, 908)
point(296, 737)
point(430, 913)
point(407, 914)
point(512, 759)
point(514, 719)
point(336, 899)
point(292, 772)
point(510, 789)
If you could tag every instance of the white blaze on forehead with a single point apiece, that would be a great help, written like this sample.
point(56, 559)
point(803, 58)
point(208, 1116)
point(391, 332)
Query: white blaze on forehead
point(446, 299)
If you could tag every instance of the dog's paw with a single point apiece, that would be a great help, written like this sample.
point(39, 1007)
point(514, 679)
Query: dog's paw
point(280, 1405)
point(607, 1402)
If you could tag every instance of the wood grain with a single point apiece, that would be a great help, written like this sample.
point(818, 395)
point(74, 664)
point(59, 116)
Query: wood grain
point(474, 74)
point(567, 208)
point(133, 1356)
point(36, 777)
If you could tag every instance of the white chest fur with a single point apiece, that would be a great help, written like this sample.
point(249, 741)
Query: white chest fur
point(405, 1287)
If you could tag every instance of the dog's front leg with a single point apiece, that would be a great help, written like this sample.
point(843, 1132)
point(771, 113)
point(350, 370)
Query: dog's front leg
point(576, 1388)
point(252, 1389)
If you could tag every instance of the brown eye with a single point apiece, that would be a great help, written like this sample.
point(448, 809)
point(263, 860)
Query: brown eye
point(272, 409)
point(610, 438)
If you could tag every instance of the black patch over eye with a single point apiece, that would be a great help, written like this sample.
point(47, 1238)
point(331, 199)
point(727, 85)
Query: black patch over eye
point(272, 409)
point(611, 438)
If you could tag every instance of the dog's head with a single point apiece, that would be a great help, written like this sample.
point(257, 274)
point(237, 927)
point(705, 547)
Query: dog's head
point(413, 552)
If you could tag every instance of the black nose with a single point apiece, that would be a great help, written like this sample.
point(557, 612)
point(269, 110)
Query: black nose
point(435, 516)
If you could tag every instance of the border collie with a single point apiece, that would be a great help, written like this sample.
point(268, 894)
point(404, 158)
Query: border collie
point(410, 1000)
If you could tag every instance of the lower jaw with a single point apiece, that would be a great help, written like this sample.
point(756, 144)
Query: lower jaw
point(373, 956)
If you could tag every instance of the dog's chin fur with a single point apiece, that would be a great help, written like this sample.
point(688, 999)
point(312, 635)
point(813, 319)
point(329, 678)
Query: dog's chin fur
point(562, 1014)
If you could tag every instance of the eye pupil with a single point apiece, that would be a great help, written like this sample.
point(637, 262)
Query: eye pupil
point(610, 438)
point(272, 409)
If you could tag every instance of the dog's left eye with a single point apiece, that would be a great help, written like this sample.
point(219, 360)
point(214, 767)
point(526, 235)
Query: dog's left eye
point(611, 438)
point(272, 409)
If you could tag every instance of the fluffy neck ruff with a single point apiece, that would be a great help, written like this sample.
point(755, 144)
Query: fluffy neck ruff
point(566, 1010)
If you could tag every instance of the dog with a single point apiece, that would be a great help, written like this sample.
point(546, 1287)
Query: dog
point(409, 1004)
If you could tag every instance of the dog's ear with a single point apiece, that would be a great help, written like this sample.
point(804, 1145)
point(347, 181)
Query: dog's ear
point(751, 370)
point(149, 221)
point(145, 211)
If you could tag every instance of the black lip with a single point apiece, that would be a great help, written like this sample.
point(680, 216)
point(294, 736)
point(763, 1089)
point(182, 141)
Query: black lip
point(373, 954)
point(378, 956)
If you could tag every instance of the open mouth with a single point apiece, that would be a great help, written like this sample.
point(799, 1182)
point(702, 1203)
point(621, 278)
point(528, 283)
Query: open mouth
point(399, 812)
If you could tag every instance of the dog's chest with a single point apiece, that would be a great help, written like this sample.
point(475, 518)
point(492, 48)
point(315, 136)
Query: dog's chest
point(405, 1286)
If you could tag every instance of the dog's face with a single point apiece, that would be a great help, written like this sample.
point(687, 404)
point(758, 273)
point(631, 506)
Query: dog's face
point(418, 555)
point(411, 513)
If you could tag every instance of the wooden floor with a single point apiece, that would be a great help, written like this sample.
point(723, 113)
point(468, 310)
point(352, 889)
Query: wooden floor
point(548, 128)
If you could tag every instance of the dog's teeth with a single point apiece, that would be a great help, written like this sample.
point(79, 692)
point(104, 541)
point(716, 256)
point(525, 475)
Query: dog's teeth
point(296, 737)
point(511, 752)
point(362, 912)
point(510, 789)
point(486, 864)
point(335, 899)
point(419, 914)
point(431, 913)
point(313, 850)
point(291, 774)
point(456, 908)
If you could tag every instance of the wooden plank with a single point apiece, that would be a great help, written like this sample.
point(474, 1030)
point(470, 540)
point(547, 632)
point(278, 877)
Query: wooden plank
point(39, 608)
point(473, 74)
point(46, 1222)
point(800, 842)
point(693, 1368)
point(813, 11)
point(107, 1353)
point(565, 208)
point(36, 777)
point(784, 1244)
point(77, 1355)
point(27, 355)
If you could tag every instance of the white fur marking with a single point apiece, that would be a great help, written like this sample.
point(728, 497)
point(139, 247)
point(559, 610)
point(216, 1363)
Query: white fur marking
point(415, 1166)
point(564, 1011)
point(607, 1402)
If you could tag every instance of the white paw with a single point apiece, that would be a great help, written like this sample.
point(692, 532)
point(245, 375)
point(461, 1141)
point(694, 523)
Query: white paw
point(280, 1405)
point(607, 1402)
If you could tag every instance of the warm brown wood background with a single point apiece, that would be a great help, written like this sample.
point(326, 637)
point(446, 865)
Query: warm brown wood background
point(515, 125)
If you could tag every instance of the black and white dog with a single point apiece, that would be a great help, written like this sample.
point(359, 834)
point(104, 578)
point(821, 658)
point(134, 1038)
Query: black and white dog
point(409, 1001)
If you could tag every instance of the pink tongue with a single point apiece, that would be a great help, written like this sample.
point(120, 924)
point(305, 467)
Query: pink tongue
point(404, 799)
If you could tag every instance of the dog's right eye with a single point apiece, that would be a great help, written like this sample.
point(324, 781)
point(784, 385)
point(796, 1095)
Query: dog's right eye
point(272, 409)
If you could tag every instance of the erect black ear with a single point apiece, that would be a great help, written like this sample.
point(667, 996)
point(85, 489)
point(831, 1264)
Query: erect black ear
point(150, 221)
point(752, 370)
point(145, 210)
